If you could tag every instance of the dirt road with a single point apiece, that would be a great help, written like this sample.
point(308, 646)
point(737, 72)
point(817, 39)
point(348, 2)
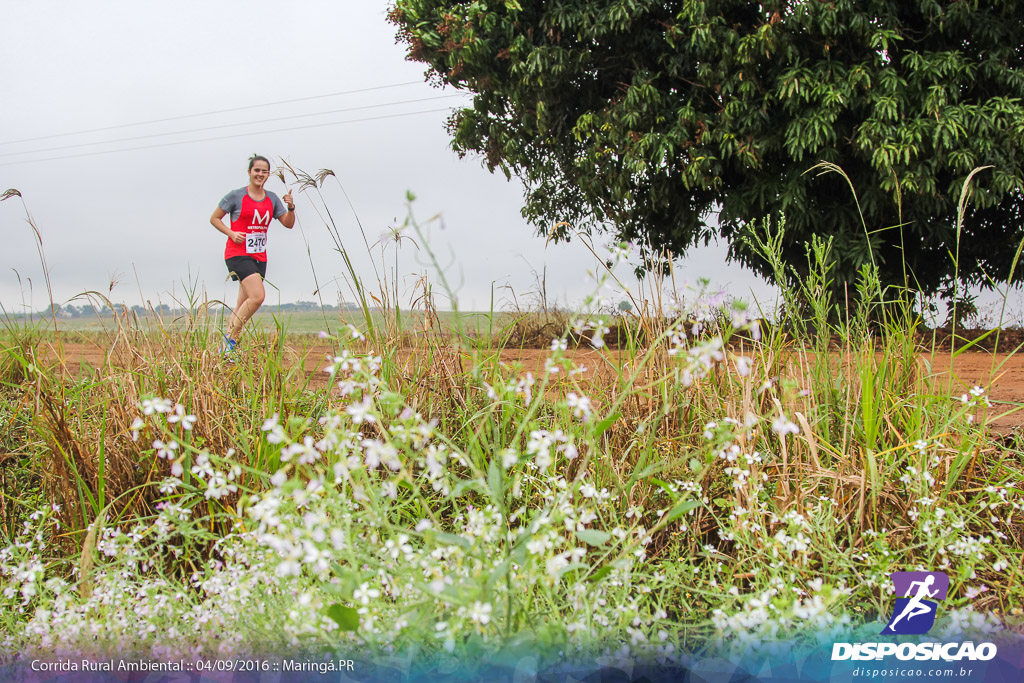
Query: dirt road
point(1002, 374)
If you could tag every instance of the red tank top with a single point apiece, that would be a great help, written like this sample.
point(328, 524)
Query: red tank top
point(253, 221)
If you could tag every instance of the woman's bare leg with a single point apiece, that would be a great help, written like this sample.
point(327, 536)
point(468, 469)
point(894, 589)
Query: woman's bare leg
point(238, 306)
point(250, 297)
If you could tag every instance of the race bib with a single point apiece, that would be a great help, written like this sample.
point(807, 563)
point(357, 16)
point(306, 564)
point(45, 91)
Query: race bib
point(255, 242)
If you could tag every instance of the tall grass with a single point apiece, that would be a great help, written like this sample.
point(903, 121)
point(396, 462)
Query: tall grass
point(717, 480)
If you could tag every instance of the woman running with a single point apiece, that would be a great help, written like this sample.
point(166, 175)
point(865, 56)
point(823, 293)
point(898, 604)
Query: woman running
point(246, 251)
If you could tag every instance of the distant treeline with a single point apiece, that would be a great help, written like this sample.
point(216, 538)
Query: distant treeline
point(89, 311)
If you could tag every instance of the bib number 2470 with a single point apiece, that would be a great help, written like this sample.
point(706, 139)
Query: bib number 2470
point(255, 243)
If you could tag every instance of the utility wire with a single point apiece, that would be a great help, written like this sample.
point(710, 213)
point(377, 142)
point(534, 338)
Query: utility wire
point(226, 125)
point(225, 137)
point(210, 113)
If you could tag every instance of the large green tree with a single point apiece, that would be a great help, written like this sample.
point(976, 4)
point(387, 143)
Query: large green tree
point(671, 121)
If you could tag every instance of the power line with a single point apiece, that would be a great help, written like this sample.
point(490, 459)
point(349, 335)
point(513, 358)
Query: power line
point(227, 125)
point(225, 137)
point(210, 113)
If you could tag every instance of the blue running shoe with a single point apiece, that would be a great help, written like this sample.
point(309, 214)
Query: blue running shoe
point(228, 348)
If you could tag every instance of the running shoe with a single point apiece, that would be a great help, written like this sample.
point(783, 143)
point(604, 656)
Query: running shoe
point(227, 349)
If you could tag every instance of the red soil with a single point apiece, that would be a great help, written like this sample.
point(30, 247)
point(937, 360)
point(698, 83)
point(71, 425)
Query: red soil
point(969, 369)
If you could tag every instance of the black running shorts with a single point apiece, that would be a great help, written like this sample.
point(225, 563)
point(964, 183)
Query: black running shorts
point(241, 267)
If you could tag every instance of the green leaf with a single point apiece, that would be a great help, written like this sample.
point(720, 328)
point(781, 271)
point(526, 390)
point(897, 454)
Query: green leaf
point(496, 482)
point(664, 485)
point(575, 566)
point(499, 573)
point(647, 471)
point(348, 579)
point(682, 508)
point(391, 401)
point(604, 571)
point(461, 487)
point(452, 539)
point(593, 536)
point(602, 426)
point(346, 617)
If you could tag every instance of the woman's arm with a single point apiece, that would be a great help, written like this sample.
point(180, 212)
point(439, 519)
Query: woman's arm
point(288, 218)
point(215, 221)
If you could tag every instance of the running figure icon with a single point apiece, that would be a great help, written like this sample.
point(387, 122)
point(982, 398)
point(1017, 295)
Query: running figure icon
point(915, 607)
point(914, 613)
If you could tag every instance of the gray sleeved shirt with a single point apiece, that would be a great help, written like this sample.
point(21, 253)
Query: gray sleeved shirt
point(231, 204)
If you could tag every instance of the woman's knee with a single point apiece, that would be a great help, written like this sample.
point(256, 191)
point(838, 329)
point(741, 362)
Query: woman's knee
point(254, 300)
point(254, 292)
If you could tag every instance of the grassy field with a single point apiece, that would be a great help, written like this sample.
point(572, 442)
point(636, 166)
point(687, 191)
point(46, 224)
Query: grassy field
point(693, 500)
point(725, 484)
point(481, 329)
point(268, 318)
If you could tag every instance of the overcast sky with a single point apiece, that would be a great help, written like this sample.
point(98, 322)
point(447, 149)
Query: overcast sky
point(139, 217)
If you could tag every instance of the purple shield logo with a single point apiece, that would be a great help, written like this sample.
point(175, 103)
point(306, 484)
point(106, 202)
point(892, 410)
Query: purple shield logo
point(916, 602)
